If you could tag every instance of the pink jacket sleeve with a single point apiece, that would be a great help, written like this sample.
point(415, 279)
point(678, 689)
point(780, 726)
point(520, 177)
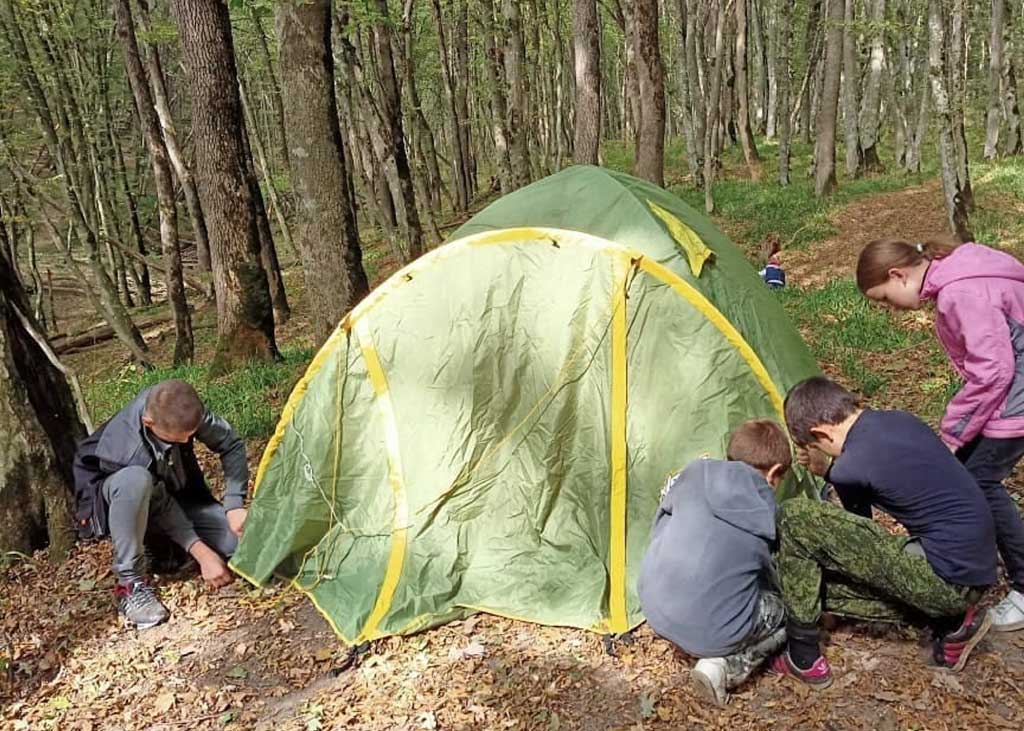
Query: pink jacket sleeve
point(979, 327)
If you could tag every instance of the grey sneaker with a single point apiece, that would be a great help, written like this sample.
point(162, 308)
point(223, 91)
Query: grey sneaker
point(1008, 615)
point(708, 678)
point(138, 604)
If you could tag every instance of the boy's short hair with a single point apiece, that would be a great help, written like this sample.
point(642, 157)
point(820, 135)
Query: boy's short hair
point(174, 406)
point(815, 402)
point(761, 443)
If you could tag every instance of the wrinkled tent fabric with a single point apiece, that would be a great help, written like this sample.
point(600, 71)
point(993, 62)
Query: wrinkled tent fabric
point(491, 428)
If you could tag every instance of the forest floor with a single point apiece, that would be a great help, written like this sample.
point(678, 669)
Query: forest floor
point(249, 658)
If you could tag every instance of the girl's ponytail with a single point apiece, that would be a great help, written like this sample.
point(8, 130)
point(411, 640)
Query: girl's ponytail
point(939, 247)
point(879, 257)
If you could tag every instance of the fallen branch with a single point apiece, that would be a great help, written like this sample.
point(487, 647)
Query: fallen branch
point(96, 334)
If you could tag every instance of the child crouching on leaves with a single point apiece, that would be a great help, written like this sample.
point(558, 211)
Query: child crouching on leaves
point(706, 579)
point(841, 561)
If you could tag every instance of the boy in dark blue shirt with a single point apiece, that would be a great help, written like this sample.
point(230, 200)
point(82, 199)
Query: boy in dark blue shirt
point(841, 561)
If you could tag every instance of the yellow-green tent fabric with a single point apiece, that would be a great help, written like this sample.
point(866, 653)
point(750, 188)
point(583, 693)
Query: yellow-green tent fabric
point(490, 429)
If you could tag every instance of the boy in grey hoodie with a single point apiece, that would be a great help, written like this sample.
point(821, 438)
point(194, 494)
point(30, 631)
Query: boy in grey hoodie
point(706, 581)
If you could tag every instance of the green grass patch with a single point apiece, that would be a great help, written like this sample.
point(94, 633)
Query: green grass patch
point(878, 355)
point(848, 319)
point(843, 328)
point(998, 218)
point(244, 397)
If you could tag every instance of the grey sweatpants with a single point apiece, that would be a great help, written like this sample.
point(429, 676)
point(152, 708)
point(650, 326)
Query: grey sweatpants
point(137, 503)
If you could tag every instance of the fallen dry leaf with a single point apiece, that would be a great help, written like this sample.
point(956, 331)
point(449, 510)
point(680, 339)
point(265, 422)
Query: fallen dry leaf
point(473, 649)
point(164, 702)
point(947, 681)
point(884, 695)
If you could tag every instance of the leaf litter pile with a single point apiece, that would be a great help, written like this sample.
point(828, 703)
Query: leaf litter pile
point(249, 658)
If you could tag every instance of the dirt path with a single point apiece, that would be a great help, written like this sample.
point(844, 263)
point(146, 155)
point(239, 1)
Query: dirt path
point(912, 214)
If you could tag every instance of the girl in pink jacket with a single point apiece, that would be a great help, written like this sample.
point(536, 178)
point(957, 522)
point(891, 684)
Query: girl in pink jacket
point(979, 317)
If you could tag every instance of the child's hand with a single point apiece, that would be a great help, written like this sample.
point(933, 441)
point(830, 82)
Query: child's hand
point(816, 461)
point(215, 572)
point(236, 520)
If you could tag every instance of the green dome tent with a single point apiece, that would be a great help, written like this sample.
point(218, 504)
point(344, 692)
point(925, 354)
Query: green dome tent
point(490, 429)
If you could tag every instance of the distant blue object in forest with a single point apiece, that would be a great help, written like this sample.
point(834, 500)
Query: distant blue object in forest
point(773, 274)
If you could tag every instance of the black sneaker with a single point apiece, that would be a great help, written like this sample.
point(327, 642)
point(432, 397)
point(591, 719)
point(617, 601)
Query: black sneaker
point(952, 650)
point(138, 604)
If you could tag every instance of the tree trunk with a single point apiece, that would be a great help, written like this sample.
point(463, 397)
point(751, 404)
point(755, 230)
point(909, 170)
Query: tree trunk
point(587, 50)
point(177, 158)
point(184, 345)
point(365, 141)
point(850, 89)
point(458, 164)
point(423, 133)
point(1014, 138)
point(763, 41)
point(263, 159)
point(825, 128)
point(460, 49)
point(391, 103)
point(685, 115)
point(515, 70)
point(495, 69)
point(39, 313)
point(268, 250)
point(913, 161)
point(714, 104)
point(275, 88)
point(39, 427)
point(813, 43)
point(692, 73)
point(957, 75)
point(145, 285)
point(784, 74)
point(750, 155)
point(335, 280)
point(953, 187)
point(245, 319)
point(650, 163)
point(871, 104)
point(995, 76)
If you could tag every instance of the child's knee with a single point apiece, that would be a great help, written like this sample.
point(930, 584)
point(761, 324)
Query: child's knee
point(130, 482)
point(225, 543)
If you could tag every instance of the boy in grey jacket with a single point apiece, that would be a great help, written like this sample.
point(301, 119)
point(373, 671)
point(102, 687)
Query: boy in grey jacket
point(706, 582)
point(137, 474)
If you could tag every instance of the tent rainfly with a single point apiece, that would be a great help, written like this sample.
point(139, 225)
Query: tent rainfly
point(490, 429)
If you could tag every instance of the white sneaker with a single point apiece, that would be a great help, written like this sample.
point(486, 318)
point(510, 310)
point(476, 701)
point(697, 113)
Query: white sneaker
point(708, 678)
point(1008, 615)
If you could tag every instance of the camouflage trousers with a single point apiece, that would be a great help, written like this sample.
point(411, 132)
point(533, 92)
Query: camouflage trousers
point(767, 638)
point(832, 560)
